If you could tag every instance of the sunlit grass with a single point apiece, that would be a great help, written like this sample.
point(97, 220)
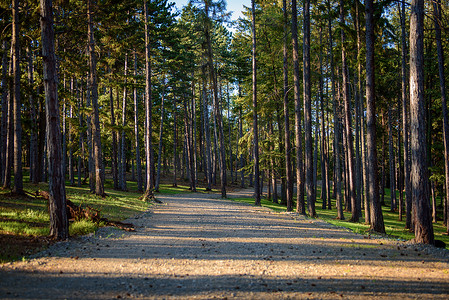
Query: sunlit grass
point(393, 227)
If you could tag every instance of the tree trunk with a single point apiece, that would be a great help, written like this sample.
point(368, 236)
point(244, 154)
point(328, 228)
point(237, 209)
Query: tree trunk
point(242, 159)
point(310, 189)
point(300, 205)
point(405, 122)
point(437, 20)
point(17, 106)
point(148, 113)
point(9, 155)
point(59, 225)
point(392, 161)
point(114, 142)
point(288, 163)
point(376, 217)
point(255, 125)
point(348, 125)
point(161, 130)
point(207, 133)
point(122, 164)
point(323, 131)
point(419, 171)
point(97, 154)
point(337, 165)
point(136, 129)
point(33, 119)
point(4, 108)
point(175, 144)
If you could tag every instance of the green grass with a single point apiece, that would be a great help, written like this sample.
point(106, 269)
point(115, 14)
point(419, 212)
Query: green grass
point(393, 227)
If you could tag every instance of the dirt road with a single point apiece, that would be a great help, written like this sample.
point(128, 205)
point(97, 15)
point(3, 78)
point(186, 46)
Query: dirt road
point(197, 246)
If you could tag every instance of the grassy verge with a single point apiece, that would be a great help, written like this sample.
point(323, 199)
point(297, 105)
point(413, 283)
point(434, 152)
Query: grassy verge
point(24, 220)
point(393, 227)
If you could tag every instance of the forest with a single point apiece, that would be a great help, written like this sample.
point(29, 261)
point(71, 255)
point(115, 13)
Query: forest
point(324, 102)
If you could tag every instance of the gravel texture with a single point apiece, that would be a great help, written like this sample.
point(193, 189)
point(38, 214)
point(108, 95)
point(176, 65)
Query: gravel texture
point(197, 246)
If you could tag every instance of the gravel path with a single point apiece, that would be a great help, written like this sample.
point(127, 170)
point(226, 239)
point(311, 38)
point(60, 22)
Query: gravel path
point(198, 246)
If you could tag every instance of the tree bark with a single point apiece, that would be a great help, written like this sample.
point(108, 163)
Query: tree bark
point(310, 189)
point(300, 205)
point(161, 130)
point(33, 119)
point(97, 154)
point(255, 124)
point(348, 124)
point(419, 172)
point(59, 225)
point(288, 163)
point(405, 121)
point(17, 106)
point(376, 217)
point(438, 20)
point(148, 112)
point(122, 164)
point(392, 161)
point(4, 108)
point(337, 164)
point(136, 129)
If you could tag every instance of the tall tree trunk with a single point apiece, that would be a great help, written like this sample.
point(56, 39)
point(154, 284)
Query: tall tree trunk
point(255, 125)
point(136, 129)
point(362, 170)
point(175, 144)
point(114, 142)
point(438, 20)
point(376, 217)
point(4, 108)
point(405, 122)
point(392, 161)
point(300, 176)
point(348, 124)
point(148, 113)
point(419, 171)
point(207, 132)
point(337, 166)
point(9, 155)
point(323, 131)
point(242, 159)
point(17, 106)
point(81, 137)
point(59, 225)
point(33, 119)
point(288, 163)
point(122, 164)
point(161, 128)
point(97, 154)
point(310, 190)
point(300, 205)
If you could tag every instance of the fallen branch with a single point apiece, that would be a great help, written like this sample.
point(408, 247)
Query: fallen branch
point(76, 212)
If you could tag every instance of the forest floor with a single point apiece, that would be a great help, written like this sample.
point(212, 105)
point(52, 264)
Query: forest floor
point(198, 246)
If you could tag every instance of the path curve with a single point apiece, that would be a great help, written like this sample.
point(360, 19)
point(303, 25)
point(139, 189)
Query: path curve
point(197, 246)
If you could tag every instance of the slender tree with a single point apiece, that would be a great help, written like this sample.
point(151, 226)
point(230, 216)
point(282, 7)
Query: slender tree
point(59, 225)
point(376, 217)
point(310, 190)
point(17, 106)
point(148, 112)
point(288, 163)
point(419, 172)
point(96, 135)
point(348, 122)
point(300, 205)
point(255, 125)
point(438, 20)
